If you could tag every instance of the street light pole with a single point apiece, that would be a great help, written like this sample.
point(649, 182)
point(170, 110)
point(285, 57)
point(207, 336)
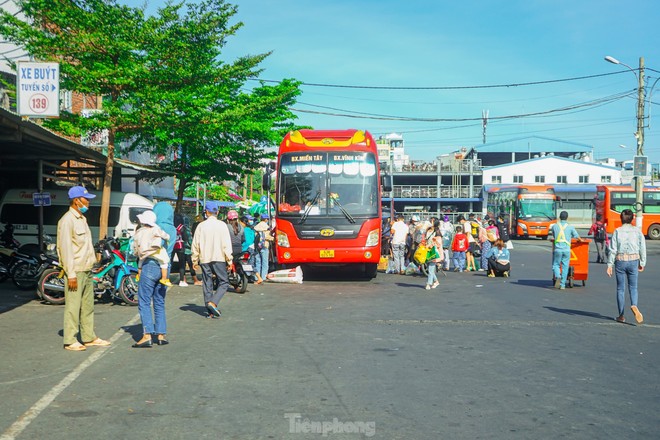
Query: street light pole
point(639, 180)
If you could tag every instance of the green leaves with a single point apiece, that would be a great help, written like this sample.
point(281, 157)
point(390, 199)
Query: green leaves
point(167, 89)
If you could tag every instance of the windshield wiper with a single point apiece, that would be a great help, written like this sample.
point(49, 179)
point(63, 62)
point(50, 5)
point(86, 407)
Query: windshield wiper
point(309, 207)
point(341, 208)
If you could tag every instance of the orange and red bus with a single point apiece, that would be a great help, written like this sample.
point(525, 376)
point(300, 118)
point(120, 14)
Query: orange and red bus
point(612, 199)
point(328, 200)
point(530, 209)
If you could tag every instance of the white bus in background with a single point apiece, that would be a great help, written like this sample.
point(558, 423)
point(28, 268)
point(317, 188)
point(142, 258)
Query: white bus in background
point(18, 209)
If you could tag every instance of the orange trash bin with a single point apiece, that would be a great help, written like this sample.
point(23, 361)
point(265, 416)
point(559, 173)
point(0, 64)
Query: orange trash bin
point(579, 262)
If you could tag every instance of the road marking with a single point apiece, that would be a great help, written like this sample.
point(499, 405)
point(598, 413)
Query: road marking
point(466, 322)
point(28, 416)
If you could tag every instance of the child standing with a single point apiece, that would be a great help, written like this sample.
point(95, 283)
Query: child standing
point(459, 246)
point(148, 243)
point(436, 256)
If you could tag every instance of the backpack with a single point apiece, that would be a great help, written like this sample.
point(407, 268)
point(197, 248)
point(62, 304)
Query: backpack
point(475, 228)
point(259, 239)
point(490, 234)
point(178, 244)
point(460, 243)
point(600, 234)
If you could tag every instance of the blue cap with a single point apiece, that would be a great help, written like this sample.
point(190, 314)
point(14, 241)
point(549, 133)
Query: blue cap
point(211, 206)
point(79, 191)
point(264, 216)
point(249, 217)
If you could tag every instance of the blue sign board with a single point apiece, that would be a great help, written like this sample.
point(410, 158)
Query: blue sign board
point(41, 199)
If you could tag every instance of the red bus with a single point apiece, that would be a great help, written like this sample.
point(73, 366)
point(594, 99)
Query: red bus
point(530, 209)
point(612, 199)
point(328, 200)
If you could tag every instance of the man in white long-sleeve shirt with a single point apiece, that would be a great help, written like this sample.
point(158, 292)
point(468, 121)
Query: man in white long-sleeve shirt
point(212, 251)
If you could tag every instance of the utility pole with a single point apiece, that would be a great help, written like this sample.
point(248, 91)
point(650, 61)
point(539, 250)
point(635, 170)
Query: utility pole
point(484, 122)
point(639, 180)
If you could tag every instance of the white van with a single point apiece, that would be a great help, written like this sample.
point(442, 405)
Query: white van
point(18, 209)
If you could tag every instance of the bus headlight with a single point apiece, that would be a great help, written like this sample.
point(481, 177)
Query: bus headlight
point(282, 239)
point(372, 239)
point(523, 228)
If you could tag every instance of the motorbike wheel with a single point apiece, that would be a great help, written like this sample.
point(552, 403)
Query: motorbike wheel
point(242, 285)
point(24, 275)
point(128, 289)
point(51, 287)
point(4, 273)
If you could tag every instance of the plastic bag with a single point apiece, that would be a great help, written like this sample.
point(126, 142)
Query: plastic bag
point(432, 254)
point(412, 269)
point(293, 276)
point(420, 254)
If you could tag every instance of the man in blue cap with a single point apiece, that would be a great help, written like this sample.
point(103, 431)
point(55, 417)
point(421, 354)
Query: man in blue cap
point(76, 252)
point(212, 252)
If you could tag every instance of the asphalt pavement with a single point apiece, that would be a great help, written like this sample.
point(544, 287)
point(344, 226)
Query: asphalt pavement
point(478, 357)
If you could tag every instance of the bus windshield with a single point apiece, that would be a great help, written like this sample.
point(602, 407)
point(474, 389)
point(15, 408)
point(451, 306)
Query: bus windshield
point(328, 184)
point(535, 208)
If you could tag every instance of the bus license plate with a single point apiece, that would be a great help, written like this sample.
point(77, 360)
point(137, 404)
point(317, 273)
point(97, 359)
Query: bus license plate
point(327, 253)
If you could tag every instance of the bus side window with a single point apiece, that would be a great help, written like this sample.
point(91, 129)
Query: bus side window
point(652, 202)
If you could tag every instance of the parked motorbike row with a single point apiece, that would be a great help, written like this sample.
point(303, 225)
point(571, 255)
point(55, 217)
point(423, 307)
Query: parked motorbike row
point(114, 276)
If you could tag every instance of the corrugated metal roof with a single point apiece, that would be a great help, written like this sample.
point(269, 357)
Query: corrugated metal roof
point(536, 159)
point(533, 144)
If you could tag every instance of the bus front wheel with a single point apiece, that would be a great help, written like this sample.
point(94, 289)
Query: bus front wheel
point(654, 232)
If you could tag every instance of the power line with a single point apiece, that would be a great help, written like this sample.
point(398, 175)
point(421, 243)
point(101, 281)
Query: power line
point(489, 86)
point(361, 115)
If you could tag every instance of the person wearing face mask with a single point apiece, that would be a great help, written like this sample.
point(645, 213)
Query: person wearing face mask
point(76, 253)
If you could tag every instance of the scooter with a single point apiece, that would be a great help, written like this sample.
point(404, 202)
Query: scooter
point(239, 272)
point(29, 263)
point(113, 278)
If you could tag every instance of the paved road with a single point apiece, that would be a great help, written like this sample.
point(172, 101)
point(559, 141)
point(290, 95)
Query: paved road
point(476, 358)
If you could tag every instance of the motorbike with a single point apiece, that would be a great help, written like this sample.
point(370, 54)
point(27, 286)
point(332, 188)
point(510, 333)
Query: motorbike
point(238, 273)
point(114, 277)
point(8, 246)
point(28, 263)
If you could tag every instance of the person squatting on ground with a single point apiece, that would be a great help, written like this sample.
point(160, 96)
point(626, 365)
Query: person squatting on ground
point(487, 236)
point(76, 254)
point(561, 252)
point(459, 246)
point(601, 239)
point(151, 289)
point(435, 256)
point(152, 245)
point(400, 234)
point(628, 258)
point(212, 251)
point(498, 258)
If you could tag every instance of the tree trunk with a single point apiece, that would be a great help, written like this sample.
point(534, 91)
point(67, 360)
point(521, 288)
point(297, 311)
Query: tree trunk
point(107, 186)
point(179, 196)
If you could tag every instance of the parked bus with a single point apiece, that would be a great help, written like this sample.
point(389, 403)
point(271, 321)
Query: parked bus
point(328, 200)
point(530, 209)
point(612, 199)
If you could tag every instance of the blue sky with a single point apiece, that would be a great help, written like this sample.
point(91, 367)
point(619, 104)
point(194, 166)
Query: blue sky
point(416, 43)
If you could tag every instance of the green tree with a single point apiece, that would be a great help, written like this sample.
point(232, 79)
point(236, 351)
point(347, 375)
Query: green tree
point(165, 88)
point(205, 121)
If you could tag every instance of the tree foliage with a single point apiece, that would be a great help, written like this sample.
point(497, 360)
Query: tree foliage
point(166, 88)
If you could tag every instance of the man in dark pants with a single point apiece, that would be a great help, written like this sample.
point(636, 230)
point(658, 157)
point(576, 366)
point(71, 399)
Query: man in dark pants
point(599, 233)
point(212, 251)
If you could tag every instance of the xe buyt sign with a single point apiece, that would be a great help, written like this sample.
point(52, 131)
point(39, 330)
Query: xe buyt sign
point(38, 89)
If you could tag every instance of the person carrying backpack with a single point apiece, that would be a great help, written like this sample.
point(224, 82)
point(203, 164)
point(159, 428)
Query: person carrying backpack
point(459, 247)
point(601, 239)
point(182, 249)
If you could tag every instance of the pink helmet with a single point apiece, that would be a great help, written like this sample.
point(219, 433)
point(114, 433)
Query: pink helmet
point(232, 215)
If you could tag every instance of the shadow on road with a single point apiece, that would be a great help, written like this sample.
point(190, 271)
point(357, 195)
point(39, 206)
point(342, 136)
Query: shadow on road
point(544, 284)
point(196, 308)
point(134, 330)
point(579, 313)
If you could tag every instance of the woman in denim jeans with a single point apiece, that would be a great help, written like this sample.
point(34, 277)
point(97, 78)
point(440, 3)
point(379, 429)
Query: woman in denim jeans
point(628, 258)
